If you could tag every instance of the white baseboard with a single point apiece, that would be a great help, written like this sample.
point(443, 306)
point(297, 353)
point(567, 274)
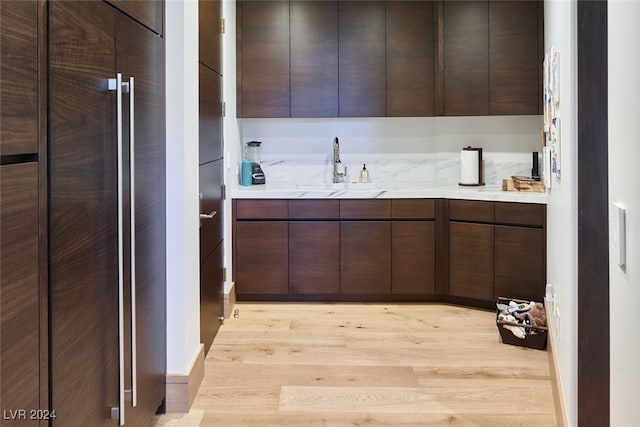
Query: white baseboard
point(182, 388)
point(229, 298)
point(556, 384)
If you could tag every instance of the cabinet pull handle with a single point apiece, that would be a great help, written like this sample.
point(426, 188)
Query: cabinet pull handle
point(118, 412)
point(132, 213)
point(209, 215)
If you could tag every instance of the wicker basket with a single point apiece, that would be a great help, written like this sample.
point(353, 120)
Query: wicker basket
point(536, 340)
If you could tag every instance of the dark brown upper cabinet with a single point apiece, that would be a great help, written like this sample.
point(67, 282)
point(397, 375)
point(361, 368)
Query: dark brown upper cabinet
point(263, 59)
point(19, 82)
point(514, 57)
point(362, 51)
point(409, 29)
point(210, 42)
point(314, 59)
point(466, 58)
point(148, 13)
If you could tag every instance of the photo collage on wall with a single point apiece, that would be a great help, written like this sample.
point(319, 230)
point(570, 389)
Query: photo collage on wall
point(551, 149)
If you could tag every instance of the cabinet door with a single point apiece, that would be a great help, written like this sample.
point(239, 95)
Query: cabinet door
point(139, 53)
point(19, 305)
point(210, 37)
point(365, 257)
point(263, 59)
point(520, 262)
point(19, 77)
point(211, 295)
point(362, 76)
point(314, 257)
point(409, 58)
point(513, 49)
point(148, 12)
point(211, 229)
point(413, 257)
point(210, 113)
point(471, 260)
point(466, 58)
point(83, 231)
point(262, 259)
point(314, 59)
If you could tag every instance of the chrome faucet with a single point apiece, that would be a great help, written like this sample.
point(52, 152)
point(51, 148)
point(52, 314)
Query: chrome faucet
point(337, 164)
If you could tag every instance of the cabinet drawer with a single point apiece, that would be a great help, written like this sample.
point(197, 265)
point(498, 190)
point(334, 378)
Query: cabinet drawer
point(412, 209)
point(262, 209)
point(365, 209)
point(520, 214)
point(314, 209)
point(471, 210)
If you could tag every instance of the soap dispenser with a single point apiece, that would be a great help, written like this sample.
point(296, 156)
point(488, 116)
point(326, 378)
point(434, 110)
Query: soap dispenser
point(364, 174)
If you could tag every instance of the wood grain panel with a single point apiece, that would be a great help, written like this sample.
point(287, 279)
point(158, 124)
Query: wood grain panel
point(409, 32)
point(211, 229)
point(365, 209)
point(148, 12)
point(365, 257)
point(19, 287)
point(314, 59)
point(264, 54)
point(362, 76)
point(471, 210)
point(519, 263)
point(19, 77)
point(513, 52)
point(520, 214)
point(210, 38)
point(211, 295)
point(210, 114)
point(262, 209)
point(140, 53)
point(413, 257)
point(471, 259)
point(412, 208)
point(466, 58)
point(262, 257)
point(314, 257)
point(314, 209)
point(83, 221)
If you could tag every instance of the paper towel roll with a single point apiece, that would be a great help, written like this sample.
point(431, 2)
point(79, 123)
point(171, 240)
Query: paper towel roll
point(470, 167)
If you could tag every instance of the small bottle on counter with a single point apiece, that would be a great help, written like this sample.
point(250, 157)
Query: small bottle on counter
point(364, 174)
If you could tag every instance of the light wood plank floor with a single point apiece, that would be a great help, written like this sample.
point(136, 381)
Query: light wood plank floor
point(367, 365)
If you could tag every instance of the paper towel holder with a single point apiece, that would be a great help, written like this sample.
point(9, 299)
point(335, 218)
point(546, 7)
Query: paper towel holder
point(480, 177)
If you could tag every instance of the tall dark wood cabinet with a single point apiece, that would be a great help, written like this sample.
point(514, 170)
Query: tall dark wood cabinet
point(211, 176)
point(99, 348)
point(23, 207)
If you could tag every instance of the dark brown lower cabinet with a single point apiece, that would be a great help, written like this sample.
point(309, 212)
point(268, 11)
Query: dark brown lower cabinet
point(262, 257)
point(314, 257)
point(365, 257)
point(413, 257)
point(471, 260)
point(19, 309)
point(520, 262)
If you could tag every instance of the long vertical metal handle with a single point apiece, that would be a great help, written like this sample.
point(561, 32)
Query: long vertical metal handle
point(132, 204)
point(120, 255)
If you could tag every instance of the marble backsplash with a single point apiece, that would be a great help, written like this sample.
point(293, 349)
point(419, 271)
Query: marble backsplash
point(441, 169)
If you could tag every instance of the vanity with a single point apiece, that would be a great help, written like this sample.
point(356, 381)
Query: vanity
point(374, 243)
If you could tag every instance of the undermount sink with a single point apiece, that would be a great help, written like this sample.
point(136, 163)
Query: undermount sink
point(339, 186)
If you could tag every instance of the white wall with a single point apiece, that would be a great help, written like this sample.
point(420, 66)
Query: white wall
point(624, 174)
point(562, 219)
point(183, 259)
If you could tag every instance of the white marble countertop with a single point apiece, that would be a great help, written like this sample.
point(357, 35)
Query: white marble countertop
point(382, 191)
